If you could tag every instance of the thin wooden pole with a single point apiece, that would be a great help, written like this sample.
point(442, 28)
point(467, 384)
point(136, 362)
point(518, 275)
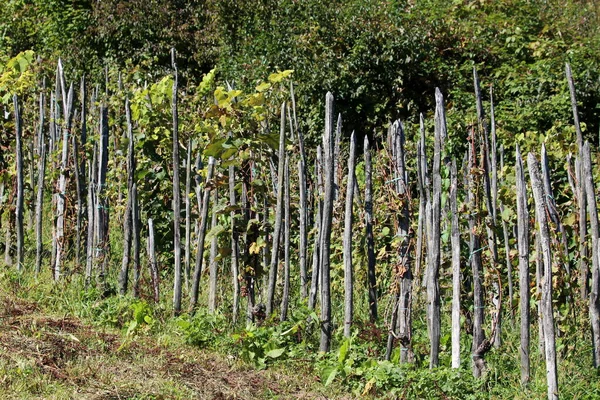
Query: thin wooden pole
point(278, 218)
point(541, 210)
point(348, 267)
point(433, 288)
point(371, 276)
point(39, 204)
point(594, 306)
point(328, 151)
point(455, 241)
point(202, 233)
point(176, 193)
point(285, 299)
point(523, 246)
point(19, 200)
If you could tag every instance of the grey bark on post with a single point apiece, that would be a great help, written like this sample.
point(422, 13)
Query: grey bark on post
point(303, 209)
point(303, 232)
point(348, 267)
point(212, 263)
point(401, 325)
point(19, 199)
point(539, 276)
point(278, 218)
point(594, 297)
point(541, 210)
point(188, 214)
point(135, 228)
point(285, 299)
point(153, 263)
point(31, 203)
point(455, 241)
point(479, 341)
point(571, 82)
point(505, 233)
point(176, 193)
point(202, 232)
point(54, 113)
point(62, 180)
point(581, 198)
point(523, 247)
point(433, 285)
point(487, 164)
point(336, 155)
point(129, 214)
point(329, 172)
point(91, 210)
point(423, 196)
point(79, 167)
point(553, 212)
point(101, 218)
point(316, 259)
point(584, 269)
point(235, 246)
point(371, 276)
point(39, 204)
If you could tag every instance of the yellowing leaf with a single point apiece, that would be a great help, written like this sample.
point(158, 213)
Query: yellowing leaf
point(263, 86)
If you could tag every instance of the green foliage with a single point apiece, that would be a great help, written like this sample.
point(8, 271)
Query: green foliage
point(263, 345)
point(203, 329)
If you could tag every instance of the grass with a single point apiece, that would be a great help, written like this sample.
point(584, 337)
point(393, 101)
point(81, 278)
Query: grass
point(57, 345)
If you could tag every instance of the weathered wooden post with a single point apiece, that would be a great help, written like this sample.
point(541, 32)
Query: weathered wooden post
point(523, 246)
point(541, 210)
point(19, 200)
point(348, 267)
point(278, 217)
point(328, 152)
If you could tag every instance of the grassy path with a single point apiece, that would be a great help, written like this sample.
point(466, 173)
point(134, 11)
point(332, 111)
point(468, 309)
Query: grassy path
point(49, 356)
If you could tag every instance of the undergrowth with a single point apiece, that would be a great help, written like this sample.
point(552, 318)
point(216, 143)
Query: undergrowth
point(356, 365)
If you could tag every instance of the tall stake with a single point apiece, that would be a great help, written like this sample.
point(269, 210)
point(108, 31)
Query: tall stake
point(316, 261)
point(594, 307)
point(371, 277)
point(212, 264)
point(433, 284)
point(128, 220)
point(101, 218)
point(328, 151)
point(480, 345)
point(152, 262)
point(235, 245)
point(188, 212)
point(202, 230)
point(19, 205)
point(523, 245)
point(176, 194)
point(39, 204)
point(541, 215)
point(62, 181)
point(286, 243)
point(581, 195)
point(455, 240)
point(278, 216)
point(348, 268)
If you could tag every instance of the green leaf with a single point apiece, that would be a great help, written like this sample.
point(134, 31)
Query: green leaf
point(275, 353)
point(217, 230)
point(330, 374)
point(343, 352)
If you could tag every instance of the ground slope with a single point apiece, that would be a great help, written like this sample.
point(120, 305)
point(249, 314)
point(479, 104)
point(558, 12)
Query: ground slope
point(60, 357)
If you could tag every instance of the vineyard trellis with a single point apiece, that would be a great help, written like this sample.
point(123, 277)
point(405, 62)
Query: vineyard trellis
point(238, 152)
